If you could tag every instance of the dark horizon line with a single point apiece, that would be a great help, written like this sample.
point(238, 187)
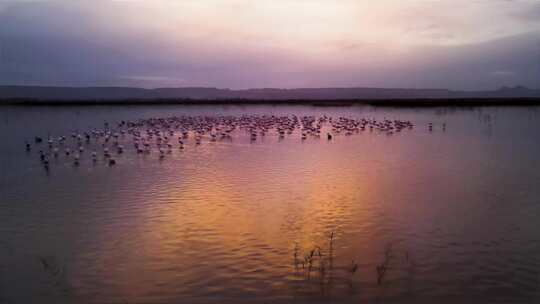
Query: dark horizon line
point(34, 95)
point(395, 103)
point(267, 88)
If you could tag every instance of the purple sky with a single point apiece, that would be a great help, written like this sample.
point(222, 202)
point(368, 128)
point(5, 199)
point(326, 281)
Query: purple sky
point(458, 44)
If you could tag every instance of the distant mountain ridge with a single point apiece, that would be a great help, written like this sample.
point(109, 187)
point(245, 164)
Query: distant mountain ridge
point(202, 93)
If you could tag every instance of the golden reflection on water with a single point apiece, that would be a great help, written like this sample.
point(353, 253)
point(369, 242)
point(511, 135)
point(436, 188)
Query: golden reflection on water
point(243, 211)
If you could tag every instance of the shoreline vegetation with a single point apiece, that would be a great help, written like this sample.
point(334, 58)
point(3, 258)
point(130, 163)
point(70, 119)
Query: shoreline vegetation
point(397, 102)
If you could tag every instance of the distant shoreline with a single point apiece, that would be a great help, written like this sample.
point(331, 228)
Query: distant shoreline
point(399, 103)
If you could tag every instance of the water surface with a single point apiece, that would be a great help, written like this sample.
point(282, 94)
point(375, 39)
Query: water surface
point(457, 211)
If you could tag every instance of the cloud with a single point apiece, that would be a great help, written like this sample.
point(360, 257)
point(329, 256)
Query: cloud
point(531, 13)
point(286, 43)
point(504, 73)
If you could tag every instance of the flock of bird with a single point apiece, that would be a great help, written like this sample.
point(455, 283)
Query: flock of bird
point(163, 134)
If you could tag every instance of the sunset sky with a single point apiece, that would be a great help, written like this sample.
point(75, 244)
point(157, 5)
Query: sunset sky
point(456, 44)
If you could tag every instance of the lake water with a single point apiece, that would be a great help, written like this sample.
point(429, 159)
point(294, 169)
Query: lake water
point(426, 216)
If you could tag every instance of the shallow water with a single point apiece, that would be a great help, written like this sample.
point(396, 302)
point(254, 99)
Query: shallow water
point(457, 212)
